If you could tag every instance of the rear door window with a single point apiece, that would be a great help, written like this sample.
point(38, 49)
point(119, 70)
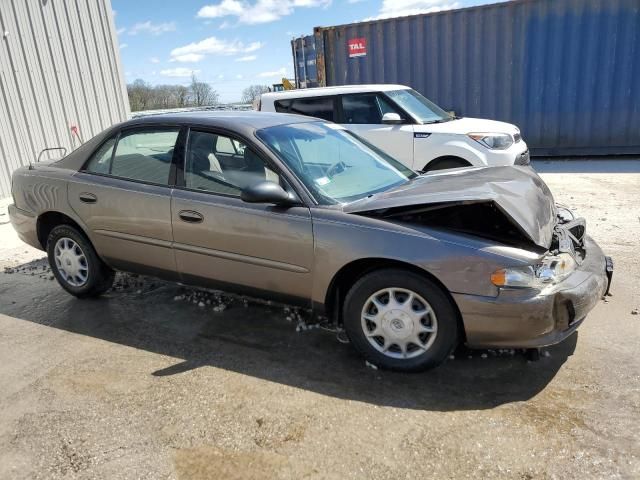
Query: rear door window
point(145, 155)
point(320, 107)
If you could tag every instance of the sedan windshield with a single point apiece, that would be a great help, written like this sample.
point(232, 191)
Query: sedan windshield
point(419, 107)
point(334, 164)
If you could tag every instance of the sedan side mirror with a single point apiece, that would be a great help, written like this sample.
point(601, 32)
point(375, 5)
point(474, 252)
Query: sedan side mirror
point(266, 192)
point(391, 118)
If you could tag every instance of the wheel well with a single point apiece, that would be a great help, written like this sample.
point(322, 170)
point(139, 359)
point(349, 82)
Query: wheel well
point(48, 220)
point(448, 159)
point(350, 273)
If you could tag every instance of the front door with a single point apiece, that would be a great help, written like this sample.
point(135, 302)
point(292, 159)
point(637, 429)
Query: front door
point(362, 114)
point(227, 243)
point(124, 198)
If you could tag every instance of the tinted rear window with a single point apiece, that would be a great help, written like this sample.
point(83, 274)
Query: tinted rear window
point(320, 107)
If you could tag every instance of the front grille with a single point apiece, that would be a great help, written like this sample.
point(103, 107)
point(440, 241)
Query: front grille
point(517, 137)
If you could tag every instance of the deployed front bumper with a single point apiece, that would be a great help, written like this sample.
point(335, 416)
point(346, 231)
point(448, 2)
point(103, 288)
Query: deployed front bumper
point(524, 318)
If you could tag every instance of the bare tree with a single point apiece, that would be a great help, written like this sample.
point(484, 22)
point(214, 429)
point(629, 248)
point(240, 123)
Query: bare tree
point(143, 96)
point(181, 95)
point(202, 93)
point(140, 95)
point(253, 92)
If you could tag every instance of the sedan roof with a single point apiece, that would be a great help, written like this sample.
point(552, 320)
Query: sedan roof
point(245, 122)
point(240, 120)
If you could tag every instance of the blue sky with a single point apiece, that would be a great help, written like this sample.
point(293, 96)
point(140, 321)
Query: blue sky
point(235, 43)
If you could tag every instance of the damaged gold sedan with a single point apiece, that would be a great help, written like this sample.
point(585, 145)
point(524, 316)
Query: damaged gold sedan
point(305, 212)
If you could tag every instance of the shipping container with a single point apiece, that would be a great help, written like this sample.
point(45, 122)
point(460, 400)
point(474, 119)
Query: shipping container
point(567, 72)
point(61, 79)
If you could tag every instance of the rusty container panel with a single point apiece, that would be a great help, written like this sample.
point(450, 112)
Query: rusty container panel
point(567, 72)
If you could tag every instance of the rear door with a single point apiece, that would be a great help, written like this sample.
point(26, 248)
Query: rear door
point(123, 195)
point(224, 242)
point(362, 114)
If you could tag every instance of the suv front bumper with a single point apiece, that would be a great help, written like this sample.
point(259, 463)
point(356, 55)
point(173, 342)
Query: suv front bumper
point(525, 318)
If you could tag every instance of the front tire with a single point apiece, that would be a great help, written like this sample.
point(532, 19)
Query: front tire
point(76, 265)
point(400, 320)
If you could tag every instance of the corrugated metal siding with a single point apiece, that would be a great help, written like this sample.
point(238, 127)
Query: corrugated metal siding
point(567, 72)
point(59, 67)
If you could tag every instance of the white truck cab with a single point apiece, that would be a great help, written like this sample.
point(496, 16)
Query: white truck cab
point(409, 127)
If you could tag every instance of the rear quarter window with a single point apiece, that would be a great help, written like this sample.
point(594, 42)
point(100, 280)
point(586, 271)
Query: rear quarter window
point(319, 107)
point(100, 161)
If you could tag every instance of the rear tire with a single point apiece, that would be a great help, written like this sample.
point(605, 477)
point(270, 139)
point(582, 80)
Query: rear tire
point(75, 263)
point(400, 320)
point(446, 162)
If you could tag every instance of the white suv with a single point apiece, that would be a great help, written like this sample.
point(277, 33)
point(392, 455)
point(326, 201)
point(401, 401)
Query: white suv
point(403, 123)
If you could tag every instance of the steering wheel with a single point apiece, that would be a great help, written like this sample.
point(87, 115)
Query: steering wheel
point(336, 168)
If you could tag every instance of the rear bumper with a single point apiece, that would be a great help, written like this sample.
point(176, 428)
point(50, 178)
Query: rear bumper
point(520, 318)
point(25, 225)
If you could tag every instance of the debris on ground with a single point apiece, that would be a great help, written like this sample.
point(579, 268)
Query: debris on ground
point(634, 311)
point(370, 365)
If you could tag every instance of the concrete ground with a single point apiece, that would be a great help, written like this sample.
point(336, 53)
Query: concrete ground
point(144, 383)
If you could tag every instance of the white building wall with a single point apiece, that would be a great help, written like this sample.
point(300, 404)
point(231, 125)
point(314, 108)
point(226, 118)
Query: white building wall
point(59, 68)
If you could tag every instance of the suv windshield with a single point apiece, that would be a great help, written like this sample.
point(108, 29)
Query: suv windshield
point(334, 164)
point(419, 107)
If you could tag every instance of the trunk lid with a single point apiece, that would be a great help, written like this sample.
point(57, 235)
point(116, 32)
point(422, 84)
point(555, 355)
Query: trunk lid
point(518, 192)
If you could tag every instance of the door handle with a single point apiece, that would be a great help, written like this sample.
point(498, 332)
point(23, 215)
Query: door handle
point(190, 216)
point(88, 197)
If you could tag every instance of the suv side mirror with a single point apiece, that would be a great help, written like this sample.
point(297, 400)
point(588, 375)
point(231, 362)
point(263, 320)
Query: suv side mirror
point(267, 192)
point(391, 118)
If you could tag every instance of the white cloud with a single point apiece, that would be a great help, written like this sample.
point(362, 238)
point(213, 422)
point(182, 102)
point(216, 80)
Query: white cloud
point(123, 45)
point(239, 76)
point(247, 58)
point(120, 31)
point(152, 28)
point(261, 11)
point(278, 73)
point(212, 46)
point(402, 8)
point(154, 60)
point(178, 72)
point(187, 58)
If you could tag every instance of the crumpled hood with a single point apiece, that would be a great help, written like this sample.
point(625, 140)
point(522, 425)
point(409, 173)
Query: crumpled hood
point(518, 191)
point(466, 125)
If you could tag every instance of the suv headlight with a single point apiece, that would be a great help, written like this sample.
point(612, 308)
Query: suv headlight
point(553, 269)
point(493, 141)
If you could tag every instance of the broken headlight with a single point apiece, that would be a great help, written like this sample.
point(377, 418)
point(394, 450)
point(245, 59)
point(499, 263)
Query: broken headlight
point(493, 141)
point(553, 269)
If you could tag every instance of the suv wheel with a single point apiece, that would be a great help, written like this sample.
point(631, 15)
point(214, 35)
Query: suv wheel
point(400, 320)
point(75, 263)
